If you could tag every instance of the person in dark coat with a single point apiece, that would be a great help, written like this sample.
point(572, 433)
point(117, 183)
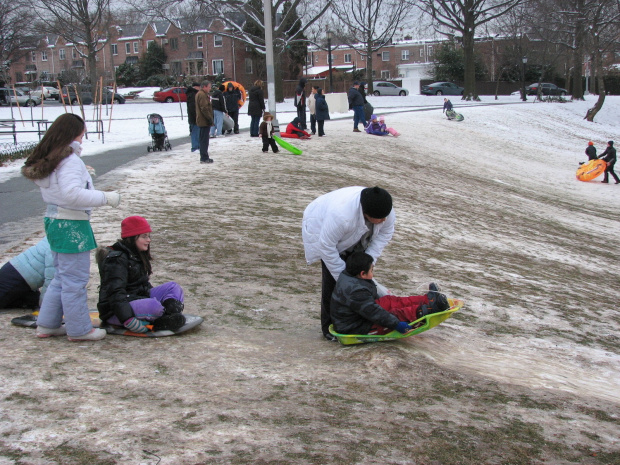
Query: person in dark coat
point(218, 104)
point(356, 103)
point(321, 110)
point(609, 155)
point(362, 90)
point(300, 102)
point(590, 152)
point(232, 97)
point(194, 130)
point(256, 106)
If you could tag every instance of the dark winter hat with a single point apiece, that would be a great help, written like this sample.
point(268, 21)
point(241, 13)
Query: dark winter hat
point(376, 202)
point(134, 226)
point(356, 83)
point(611, 142)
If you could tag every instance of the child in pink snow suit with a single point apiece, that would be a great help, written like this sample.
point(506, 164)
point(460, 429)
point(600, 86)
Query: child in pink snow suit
point(392, 131)
point(374, 127)
point(355, 308)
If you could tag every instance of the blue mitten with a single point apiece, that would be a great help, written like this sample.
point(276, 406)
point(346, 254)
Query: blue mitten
point(403, 327)
point(135, 325)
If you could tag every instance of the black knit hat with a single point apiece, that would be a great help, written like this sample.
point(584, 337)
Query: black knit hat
point(376, 202)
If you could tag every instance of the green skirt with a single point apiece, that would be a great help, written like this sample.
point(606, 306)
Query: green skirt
point(69, 236)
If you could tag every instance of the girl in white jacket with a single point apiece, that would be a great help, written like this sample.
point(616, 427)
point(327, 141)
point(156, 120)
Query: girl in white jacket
point(67, 188)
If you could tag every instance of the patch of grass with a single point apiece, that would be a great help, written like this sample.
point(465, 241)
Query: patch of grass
point(21, 398)
point(69, 455)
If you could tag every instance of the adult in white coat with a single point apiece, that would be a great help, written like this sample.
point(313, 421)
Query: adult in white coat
point(339, 223)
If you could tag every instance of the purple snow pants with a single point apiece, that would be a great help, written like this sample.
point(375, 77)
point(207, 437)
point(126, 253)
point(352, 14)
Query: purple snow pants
point(150, 309)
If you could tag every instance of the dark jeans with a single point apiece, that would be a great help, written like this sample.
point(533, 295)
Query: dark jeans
point(301, 114)
point(358, 116)
point(204, 143)
point(235, 117)
point(312, 123)
point(328, 285)
point(267, 141)
point(321, 131)
point(254, 124)
point(610, 170)
point(14, 290)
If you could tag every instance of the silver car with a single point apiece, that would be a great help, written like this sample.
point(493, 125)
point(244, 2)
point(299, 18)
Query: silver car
point(387, 88)
point(48, 92)
point(18, 97)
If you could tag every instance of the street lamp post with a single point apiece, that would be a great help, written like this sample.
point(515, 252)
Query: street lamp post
point(524, 62)
point(329, 60)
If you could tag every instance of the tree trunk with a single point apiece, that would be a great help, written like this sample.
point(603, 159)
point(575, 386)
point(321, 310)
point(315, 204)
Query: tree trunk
point(369, 88)
point(598, 63)
point(470, 65)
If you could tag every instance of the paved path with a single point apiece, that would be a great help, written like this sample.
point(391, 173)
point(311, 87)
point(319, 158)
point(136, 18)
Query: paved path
point(20, 199)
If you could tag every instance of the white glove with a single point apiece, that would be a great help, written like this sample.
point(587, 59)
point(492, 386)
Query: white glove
point(112, 199)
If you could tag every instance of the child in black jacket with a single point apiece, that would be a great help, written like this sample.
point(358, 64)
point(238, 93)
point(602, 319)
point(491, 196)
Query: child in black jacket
point(266, 131)
point(355, 308)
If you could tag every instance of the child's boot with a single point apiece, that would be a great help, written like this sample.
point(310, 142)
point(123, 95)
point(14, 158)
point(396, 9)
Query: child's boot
point(437, 302)
point(173, 306)
point(169, 321)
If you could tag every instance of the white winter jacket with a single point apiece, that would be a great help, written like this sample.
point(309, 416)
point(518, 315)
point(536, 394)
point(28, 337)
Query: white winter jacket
point(334, 222)
point(69, 190)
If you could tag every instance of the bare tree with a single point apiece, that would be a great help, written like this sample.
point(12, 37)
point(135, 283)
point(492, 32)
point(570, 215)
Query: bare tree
point(83, 23)
point(17, 33)
point(372, 23)
point(462, 17)
point(602, 36)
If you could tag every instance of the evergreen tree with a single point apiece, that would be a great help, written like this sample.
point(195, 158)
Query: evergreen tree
point(152, 61)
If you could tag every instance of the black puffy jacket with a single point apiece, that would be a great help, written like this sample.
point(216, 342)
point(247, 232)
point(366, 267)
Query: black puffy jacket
point(232, 97)
point(256, 106)
point(191, 104)
point(123, 279)
point(353, 308)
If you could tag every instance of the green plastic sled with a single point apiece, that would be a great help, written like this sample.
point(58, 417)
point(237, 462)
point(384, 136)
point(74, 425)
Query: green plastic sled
point(419, 326)
point(285, 145)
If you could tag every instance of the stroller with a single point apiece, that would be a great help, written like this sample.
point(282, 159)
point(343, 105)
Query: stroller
point(158, 133)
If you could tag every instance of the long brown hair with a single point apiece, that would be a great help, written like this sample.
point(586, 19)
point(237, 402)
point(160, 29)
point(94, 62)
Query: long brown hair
point(145, 257)
point(64, 130)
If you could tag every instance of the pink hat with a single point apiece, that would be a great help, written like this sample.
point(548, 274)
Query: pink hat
point(381, 118)
point(134, 226)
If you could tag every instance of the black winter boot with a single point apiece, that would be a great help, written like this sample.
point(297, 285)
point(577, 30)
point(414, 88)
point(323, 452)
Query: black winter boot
point(437, 302)
point(171, 322)
point(173, 306)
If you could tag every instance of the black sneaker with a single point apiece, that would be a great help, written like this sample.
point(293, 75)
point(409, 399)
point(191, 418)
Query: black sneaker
point(422, 311)
point(330, 337)
point(437, 302)
point(171, 322)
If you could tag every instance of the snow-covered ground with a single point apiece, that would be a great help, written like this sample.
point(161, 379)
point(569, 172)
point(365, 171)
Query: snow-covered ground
point(527, 372)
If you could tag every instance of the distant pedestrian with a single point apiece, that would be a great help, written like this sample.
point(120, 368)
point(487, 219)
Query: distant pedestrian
point(609, 155)
point(300, 102)
point(356, 103)
point(322, 111)
point(266, 131)
point(204, 119)
point(194, 130)
point(232, 97)
point(218, 104)
point(256, 106)
point(312, 108)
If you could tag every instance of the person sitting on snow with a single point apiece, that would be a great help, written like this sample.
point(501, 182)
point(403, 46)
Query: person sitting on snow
point(384, 127)
point(374, 127)
point(355, 308)
point(294, 130)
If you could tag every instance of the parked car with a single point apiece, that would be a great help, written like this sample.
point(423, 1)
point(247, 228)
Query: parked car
point(442, 88)
point(171, 94)
point(69, 96)
point(15, 97)
point(387, 88)
point(547, 89)
point(48, 92)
